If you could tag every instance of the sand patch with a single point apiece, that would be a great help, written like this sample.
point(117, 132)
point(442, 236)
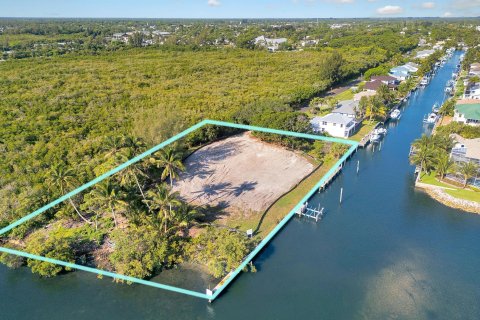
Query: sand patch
point(240, 174)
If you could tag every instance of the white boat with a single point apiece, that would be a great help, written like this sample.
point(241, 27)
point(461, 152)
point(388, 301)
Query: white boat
point(431, 118)
point(396, 114)
point(380, 131)
point(436, 108)
point(375, 137)
point(448, 90)
point(424, 82)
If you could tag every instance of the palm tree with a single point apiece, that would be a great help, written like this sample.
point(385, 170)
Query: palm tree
point(63, 178)
point(107, 196)
point(468, 170)
point(132, 172)
point(423, 142)
point(443, 164)
point(171, 163)
point(112, 145)
point(162, 201)
point(425, 158)
point(183, 215)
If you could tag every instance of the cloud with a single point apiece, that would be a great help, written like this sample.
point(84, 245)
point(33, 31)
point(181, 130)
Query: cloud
point(329, 1)
point(465, 4)
point(214, 3)
point(387, 10)
point(447, 14)
point(428, 5)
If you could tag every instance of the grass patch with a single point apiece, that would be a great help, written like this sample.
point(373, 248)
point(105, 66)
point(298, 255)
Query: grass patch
point(464, 194)
point(432, 180)
point(365, 128)
point(283, 206)
point(345, 95)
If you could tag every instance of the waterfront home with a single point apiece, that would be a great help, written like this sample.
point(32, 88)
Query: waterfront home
point(360, 95)
point(474, 69)
point(400, 73)
point(347, 108)
point(334, 124)
point(465, 150)
point(472, 91)
point(378, 81)
point(389, 81)
point(272, 44)
point(467, 113)
point(424, 54)
point(411, 67)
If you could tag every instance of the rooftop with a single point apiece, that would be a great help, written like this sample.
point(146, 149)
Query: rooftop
point(472, 146)
point(469, 111)
point(346, 107)
point(332, 118)
point(383, 78)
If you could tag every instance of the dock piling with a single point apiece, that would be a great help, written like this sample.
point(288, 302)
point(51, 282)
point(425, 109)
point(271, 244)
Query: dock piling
point(341, 194)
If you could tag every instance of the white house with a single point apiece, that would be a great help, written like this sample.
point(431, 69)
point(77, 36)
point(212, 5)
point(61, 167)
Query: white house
point(424, 54)
point(272, 44)
point(334, 124)
point(465, 150)
point(346, 108)
point(474, 69)
point(472, 91)
point(467, 114)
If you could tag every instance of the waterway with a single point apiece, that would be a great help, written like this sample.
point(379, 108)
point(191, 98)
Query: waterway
point(388, 251)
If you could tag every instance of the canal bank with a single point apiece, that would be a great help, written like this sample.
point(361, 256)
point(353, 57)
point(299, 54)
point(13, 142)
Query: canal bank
point(388, 251)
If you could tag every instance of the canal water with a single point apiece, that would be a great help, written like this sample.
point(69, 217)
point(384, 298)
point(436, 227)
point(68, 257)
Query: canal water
point(388, 251)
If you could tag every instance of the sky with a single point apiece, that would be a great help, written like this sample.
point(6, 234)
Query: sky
point(238, 8)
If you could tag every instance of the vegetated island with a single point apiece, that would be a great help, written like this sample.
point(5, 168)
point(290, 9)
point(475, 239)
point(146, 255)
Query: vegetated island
point(189, 203)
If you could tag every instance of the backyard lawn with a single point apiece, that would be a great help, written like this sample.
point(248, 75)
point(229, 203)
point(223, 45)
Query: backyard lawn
point(366, 127)
point(460, 193)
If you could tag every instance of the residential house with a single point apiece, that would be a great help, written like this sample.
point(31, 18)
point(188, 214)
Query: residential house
point(391, 82)
point(403, 72)
point(400, 73)
point(465, 150)
point(472, 91)
point(309, 43)
point(424, 54)
point(347, 108)
point(467, 113)
point(272, 44)
point(334, 124)
point(358, 96)
point(474, 69)
point(372, 86)
point(121, 36)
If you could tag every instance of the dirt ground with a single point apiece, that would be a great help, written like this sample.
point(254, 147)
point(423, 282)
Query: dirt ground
point(240, 174)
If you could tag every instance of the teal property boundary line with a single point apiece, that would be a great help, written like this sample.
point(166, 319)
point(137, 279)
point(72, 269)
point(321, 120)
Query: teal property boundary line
point(232, 275)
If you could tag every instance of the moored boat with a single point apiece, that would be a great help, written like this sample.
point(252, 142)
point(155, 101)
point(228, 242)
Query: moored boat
point(396, 114)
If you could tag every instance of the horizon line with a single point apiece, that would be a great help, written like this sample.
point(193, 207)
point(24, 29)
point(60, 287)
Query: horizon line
point(243, 18)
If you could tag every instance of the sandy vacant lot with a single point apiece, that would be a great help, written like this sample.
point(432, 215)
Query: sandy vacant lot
point(240, 173)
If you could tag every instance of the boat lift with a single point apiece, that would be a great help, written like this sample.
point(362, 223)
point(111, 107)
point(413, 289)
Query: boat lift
point(314, 213)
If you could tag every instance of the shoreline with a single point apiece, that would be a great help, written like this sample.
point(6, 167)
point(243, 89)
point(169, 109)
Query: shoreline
point(444, 198)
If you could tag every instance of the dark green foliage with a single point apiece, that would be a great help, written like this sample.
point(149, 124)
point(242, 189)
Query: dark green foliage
point(220, 249)
point(142, 251)
point(57, 243)
point(466, 131)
